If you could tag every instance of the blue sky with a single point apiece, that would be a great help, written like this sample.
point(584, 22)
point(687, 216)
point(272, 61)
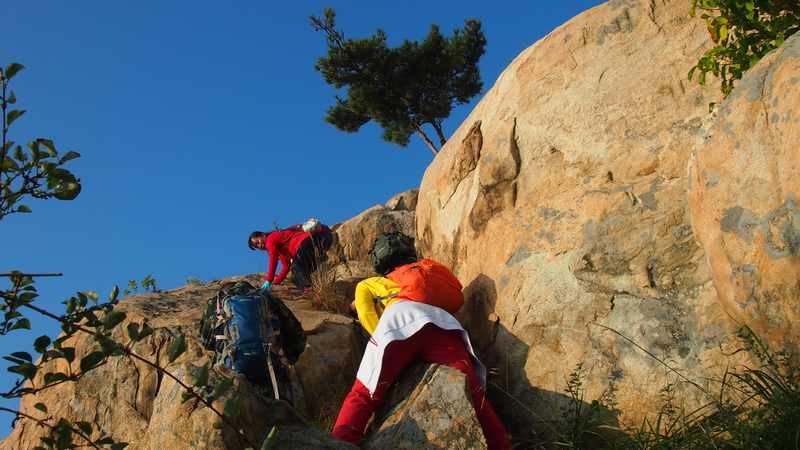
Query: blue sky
point(201, 121)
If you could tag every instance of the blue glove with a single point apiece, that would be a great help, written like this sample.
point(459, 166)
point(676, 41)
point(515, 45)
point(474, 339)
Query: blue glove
point(266, 285)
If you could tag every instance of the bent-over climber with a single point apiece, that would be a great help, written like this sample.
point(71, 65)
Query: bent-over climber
point(404, 311)
point(299, 247)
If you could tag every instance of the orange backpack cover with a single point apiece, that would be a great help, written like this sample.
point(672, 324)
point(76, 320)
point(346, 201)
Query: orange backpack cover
point(427, 281)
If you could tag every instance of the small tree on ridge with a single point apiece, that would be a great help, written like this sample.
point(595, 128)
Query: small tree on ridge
point(401, 88)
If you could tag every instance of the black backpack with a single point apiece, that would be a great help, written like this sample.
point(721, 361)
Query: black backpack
point(391, 250)
point(254, 334)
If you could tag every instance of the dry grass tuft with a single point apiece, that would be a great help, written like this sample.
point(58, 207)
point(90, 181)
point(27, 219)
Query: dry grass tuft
point(324, 294)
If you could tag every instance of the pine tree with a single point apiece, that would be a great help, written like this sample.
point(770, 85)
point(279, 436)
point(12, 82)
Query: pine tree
point(401, 88)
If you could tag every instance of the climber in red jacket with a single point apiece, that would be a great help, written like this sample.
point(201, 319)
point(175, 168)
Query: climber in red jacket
point(301, 250)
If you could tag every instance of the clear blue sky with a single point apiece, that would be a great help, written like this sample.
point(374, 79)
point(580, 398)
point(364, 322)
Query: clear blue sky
point(201, 121)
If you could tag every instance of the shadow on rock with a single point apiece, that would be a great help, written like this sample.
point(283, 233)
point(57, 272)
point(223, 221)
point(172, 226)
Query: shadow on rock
point(535, 417)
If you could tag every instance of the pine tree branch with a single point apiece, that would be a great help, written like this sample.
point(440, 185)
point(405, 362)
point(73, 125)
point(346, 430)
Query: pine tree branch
point(421, 133)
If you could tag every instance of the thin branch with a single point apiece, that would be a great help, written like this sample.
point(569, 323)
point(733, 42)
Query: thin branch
point(42, 274)
point(334, 36)
point(44, 423)
point(4, 106)
point(149, 363)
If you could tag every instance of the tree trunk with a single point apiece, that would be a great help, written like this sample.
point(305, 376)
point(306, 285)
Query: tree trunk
point(426, 139)
point(437, 125)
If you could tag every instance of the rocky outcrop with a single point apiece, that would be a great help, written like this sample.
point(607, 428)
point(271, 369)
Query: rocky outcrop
point(355, 236)
point(327, 368)
point(744, 194)
point(136, 404)
point(431, 410)
point(404, 201)
point(561, 205)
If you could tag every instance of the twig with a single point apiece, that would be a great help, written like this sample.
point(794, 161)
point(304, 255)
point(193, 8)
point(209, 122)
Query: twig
point(4, 106)
point(43, 274)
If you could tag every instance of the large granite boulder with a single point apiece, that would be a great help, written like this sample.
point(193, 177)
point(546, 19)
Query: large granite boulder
point(430, 408)
point(561, 205)
point(135, 403)
point(745, 198)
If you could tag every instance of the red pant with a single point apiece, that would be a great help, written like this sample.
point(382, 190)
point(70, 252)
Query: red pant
point(431, 344)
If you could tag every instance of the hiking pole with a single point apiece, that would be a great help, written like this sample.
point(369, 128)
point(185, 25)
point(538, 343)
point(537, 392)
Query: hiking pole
point(271, 371)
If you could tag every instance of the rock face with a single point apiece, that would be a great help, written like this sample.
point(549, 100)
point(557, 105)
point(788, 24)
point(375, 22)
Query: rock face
point(744, 194)
point(134, 403)
point(432, 410)
point(561, 205)
point(328, 366)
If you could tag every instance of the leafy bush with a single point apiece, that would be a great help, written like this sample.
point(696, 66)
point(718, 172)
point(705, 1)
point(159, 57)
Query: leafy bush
point(148, 284)
point(743, 31)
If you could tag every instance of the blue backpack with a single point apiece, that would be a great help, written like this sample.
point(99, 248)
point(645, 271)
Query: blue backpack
point(245, 328)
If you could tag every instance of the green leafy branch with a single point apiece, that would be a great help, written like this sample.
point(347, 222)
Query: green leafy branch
point(98, 321)
point(37, 171)
point(743, 32)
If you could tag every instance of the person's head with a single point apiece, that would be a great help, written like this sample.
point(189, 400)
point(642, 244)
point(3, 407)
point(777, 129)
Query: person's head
point(257, 240)
point(392, 250)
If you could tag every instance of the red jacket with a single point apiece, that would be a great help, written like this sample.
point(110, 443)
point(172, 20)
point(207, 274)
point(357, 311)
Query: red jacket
point(283, 244)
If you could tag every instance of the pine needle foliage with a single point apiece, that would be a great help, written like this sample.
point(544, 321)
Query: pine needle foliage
point(401, 88)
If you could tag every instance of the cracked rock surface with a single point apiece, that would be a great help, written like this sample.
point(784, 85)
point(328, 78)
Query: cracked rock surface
point(745, 198)
point(562, 204)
